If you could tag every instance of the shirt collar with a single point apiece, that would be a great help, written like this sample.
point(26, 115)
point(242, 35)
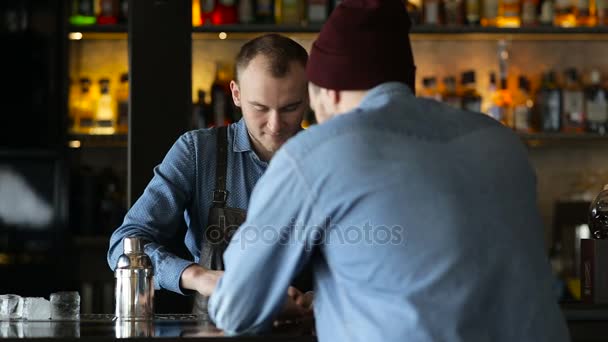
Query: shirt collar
point(382, 91)
point(240, 142)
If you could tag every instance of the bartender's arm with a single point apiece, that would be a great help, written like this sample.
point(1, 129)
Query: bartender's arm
point(156, 215)
point(267, 251)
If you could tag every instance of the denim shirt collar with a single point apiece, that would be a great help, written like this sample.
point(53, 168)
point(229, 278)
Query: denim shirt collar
point(240, 142)
point(383, 91)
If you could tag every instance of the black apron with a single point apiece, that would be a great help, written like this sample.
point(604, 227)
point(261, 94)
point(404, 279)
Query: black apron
point(222, 222)
point(221, 225)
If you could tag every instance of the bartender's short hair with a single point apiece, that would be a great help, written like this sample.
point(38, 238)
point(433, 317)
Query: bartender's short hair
point(279, 50)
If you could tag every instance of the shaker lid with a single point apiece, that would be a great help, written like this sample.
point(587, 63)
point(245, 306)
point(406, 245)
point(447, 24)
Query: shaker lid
point(133, 244)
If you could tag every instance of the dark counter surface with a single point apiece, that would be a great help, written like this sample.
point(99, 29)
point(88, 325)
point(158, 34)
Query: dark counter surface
point(105, 327)
point(586, 323)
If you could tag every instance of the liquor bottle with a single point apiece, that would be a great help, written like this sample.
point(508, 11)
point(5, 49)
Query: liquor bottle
point(264, 12)
point(598, 215)
point(246, 11)
point(449, 95)
point(601, 7)
point(471, 100)
point(432, 10)
point(585, 14)
point(489, 12)
point(509, 13)
point(454, 12)
point(289, 12)
point(414, 12)
point(82, 13)
point(505, 103)
point(85, 107)
point(105, 115)
point(197, 19)
point(596, 105)
point(529, 13)
point(109, 11)
point(225, 12)
point(565, 13)
point(492, 107)
point(124, 11)
point(522, 107)
point(221, 98)
point(573, 103)
point(548, 103)
point(547, 10)
point(200, 111)
point(208, 12)
point(473, 12)
point(429, 89)
point(317, 11)
point(122, 104)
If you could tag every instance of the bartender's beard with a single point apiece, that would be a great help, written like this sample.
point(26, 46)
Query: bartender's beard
point(266, 145)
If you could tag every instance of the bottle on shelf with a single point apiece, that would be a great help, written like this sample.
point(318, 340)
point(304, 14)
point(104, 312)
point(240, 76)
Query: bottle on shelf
point(522, 107)
point(489, 10)
point(84, 108)
point(450, 95)
point(596, 104)
point(509, 13)
point(122, 104)
point(124, 11)
point(200, 111)
point(432, 10)
point(264, 11)
point(82, 13)
point(601, 8)
point(546, 13)
point(208, 12)
point(564, 13)
point(473, 12)
point(505, 103)
point(529, 12)
point(454, 12)
point(414, 11)
point(548, 103)
point(221, 98)
point(197, 19)
point(225, 12)
point(585, 13)
point(109, 12)
point(317, 11)
point(471, 100)
point(105, 115)
point(430, 89)
point(573, 103)
point(492, 105)
point(289, 12)
point(73, 98)
point(598, 215)
point(246, 11)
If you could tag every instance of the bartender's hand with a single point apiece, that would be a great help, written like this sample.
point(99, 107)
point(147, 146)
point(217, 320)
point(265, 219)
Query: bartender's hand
point(297, 314)
point(200, 279)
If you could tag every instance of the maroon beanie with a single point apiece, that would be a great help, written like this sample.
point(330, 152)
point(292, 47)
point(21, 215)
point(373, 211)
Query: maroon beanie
point(363, 43)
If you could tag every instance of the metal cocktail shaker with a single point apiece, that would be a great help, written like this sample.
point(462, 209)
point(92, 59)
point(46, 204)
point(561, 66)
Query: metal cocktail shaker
point(134, 293)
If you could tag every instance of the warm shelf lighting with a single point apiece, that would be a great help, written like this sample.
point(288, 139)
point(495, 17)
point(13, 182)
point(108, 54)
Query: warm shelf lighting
point(223, 35)
point(75, 36)
point(74, 144)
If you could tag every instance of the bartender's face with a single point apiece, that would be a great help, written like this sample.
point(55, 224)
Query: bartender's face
point(272, 107)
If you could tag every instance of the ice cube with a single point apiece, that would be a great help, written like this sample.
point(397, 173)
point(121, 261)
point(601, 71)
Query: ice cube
point(11, 307)
point(65, 306)
point(36, 309)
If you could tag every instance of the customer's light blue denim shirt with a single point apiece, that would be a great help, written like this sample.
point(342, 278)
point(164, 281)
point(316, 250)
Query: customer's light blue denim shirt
point(421, 221)
point(183, 186)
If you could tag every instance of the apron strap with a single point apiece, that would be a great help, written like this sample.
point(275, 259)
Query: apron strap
point(220, 195)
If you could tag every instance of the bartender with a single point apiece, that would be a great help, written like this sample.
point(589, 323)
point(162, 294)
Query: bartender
point(208, 174)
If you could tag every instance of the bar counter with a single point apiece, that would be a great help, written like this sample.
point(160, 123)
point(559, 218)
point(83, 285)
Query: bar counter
point(586, 323)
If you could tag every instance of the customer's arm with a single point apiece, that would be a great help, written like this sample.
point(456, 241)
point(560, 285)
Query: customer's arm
point(157, 213)
point(267, 251)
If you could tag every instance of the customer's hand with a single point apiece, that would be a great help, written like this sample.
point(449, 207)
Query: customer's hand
point(297, 314)
point(200, 279)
